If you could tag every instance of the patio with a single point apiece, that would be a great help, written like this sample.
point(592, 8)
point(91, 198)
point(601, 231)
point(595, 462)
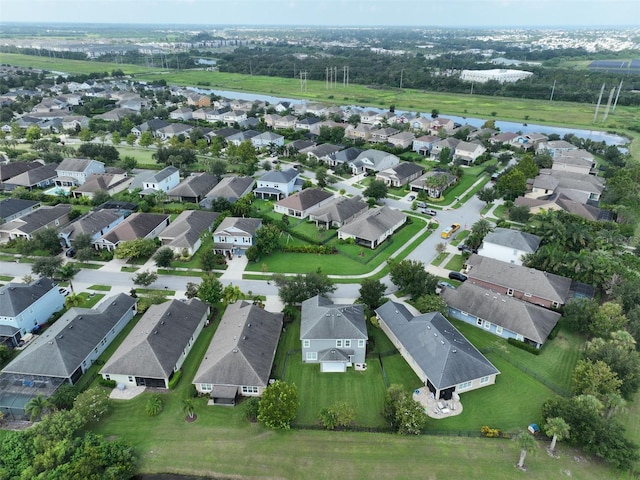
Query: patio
point(435, 408)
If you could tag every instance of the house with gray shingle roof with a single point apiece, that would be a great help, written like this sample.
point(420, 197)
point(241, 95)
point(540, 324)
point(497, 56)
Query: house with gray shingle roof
point(339, 211)
point(151, 182)
point(111, 183)
point(193, 188)
point(242, 136)
point(578, 186)
point(373, 160)
point(235, 235)
point(149, 126)
point(39, 177)
point(323, 152)
point(94, 223)
point(158, 345)
point(229, 188)
point(239, 358)
point(267, 139)
point(527, 284)
point(434, 183)
point(25, 306)
point(173, 130)
point(560, 201)
point(69, 346)
point(373, 227)
point(436, 351)
point(502, 315)
point(184, 234)
point(39, 219)
point(508, 245)
point(135, 226)
point(333, 335)
point(343, 156)
point(9, 170)
point(277, 184)
point(400, 174)
point(14, 208)
point(299, 204)
point(75, 171)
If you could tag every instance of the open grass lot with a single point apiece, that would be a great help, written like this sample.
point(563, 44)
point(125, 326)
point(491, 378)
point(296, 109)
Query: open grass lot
point(70, 66)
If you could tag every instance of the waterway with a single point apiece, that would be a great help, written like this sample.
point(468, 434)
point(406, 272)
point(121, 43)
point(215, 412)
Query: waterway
point(594, 135)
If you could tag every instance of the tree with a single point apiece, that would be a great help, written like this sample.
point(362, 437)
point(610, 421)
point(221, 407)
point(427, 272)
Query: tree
point(511, 185)
point(557, 429)
point(519, 213)
point(431, 303)
point(82, 240)
point(47, 239)
point(210, 289)
point(377, 189)
point(64, 397)
point(145, 278)
point(595, 378)
point(487, 195)
point(322, 176)
point(140, 247)
point(163, 257)
point(85, 135)
point(607, 319)
point(232, 293)
point(188, 408)
point(115, 138)
point(36, 407)
point(92, 404)
point(66, 273)
point(403, 413)
point(371, 293)
point(128, 163)
point(445, 155)
point(296, 289)
point(340, 414)
point(33, 133)
point(278, 405)
point(146, 139)
point(267, 238)
point(411, 277)
point(73, 300)
point(209, 260)
point(130, 139)
point(46, 266)
point(527, 444)
point(154, 405)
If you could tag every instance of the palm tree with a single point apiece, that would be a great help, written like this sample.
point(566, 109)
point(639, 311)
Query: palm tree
point(232, 293)
point(526, 443)
point(188, 408)
point(73, 300)
point(557, 429)
point(36, 407)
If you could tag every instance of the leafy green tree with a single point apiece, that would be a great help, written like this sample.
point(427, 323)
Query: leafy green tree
point(82, 240)
point(595, 378)
point(411, 278)
point(130, 139)
point(526, 443)
point(339, 415)
point(377, 190)
point(85, 135)
point(403, 413)
point(146, 139)
point(431, 303)
point(163, 257)
point(232, 293)
point(296, 289)
point(100, 197)
point(445, 155)
point(322, 176)
point(527, 166)
point(278, 405)
point(64, 397)
point(154, 405)
point(371, 293)
point(93, 404)
point(210, 289)
point(557, 429)
point(267, 238)
point(519, 213)
point(115, 138)
point(619, 353)
point(607, 319)
point(73, 300)
point(209, 260)
point(145, 278)
point(47, 239)
point(140, 247)
point(512, 185)
point(128, 163)
point(33, 133)
point(487, 195)
point(66, 273)
point(46, 266)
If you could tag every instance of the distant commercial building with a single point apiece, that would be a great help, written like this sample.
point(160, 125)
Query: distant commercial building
point(497, 74)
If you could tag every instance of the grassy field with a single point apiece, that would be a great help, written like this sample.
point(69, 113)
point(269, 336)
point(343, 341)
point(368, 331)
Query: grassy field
point(70, 66)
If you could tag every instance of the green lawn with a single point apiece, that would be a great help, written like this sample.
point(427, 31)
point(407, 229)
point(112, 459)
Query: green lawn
point(439, 259)
point(455, 263)
point(6, 278)
point(103, 288)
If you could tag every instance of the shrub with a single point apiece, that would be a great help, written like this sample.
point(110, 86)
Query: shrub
point(107, 383)
point(251, 407)
point(490, 432)
point(175, 379)
point(154, 405)
point(524, 346)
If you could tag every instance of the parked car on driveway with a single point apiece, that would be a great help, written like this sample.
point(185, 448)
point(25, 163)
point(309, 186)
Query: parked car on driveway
point(457, 276)
point(467, 249)
point(64, 291)
point(443, 284)
point(429, 211)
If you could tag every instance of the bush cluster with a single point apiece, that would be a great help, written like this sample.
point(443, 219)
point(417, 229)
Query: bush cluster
point(524, 346)
point(319, 249)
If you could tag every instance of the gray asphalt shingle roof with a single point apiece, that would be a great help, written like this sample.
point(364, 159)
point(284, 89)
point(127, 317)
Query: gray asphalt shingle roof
point(17, 297)
point(322, 320)
point(373, 223)
point(516, 239)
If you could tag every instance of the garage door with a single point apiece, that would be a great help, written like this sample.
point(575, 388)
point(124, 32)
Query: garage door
point(328, 367)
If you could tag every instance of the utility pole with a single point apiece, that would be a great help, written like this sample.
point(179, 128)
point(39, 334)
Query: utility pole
point(553, 89)
point(598, 105)
point(401, 74)
point(606, 112)
point(335, 76)
point(617, 95)
point(303, 81)
point(326, 78)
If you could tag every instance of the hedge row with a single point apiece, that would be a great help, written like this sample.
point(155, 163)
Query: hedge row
point(319, 249)
point(524, 346)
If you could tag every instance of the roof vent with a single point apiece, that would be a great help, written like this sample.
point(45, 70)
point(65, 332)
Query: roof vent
point(454, 351)
point(435, 334)
point(155, 332)
point(80, 317)
point(162, 322)
point(429, 327)
point(60, 337)
point(235, 350)
point(442, 342)
point(168, 314)
point(244, 337)
point(248, 325)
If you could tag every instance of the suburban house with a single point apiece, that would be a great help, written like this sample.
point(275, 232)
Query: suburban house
point(182, 113)
point(9, 170)
point(502, 138)
point(198, 99)
point(235, 235)
point(401, 139)
point(68, 348)
point(193, 188)
point(436, 149)
point(135, 226)
point(75, 171)
point(578, 186)
point(436, 351)
point(361, 131)
point(309, 124)
point(528, 284)
point(440, 124)
point(39, 177)
point(229, 188)
point(508, 245)
point(559, 201)
point(576, 161)
point(373, 160)
point(240, 356)
point(423, 144)
point(95, 223)
point(152, 126)
point(333, 335)
point(343, 156)
point(323, 152)
point(301, 203)
point(400, 175)
point(111, 183)
point(338, 212)
point(468, 152)
point(267, 140)
point(152, 182)
point(434, 183)
point(382, 135)
point(184, 234)
point(373, 227)
point(14, 208)
point(277, 184)
point(25, 306)
point(420, 124)
point(39, 219)
point(283, 122)
point(157, 346)
point(499, 314)
point(555, 147)
point(173, 130)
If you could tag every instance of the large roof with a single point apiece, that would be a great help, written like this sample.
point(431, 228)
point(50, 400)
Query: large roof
point(324, 320)
point(136, 225)
point(37, 219)
point(92, 222)
point(11, 206)
point(155, 344)
point(340, 209)
point(186, 229)
point(305, 199)
point(76, 164)
point(62, 348)
point(529, 320)
point(279, 176)
point(507, 275)
point(373, 223)
point(194, 186)
point(231, 188)
point(243, 347)
point(516, 239)
point(436, 346)
point(15, 298)
point(238, 225)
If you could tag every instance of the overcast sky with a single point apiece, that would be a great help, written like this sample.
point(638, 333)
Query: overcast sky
point(449, 13)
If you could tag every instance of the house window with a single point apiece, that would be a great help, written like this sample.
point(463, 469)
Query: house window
point(510, 292)
point(498, 329)
point(206, 387)
point(479, 322)
point(312, 356)
point(338, 343)
point(130, 378)
point(484, 380)
point(487, 325)
point(555, 304)
point(306, 343)
point(520, 337)
point(464, 385)
point(347, 343)
point(360, 343)
point(249, 390)
point(107, 377)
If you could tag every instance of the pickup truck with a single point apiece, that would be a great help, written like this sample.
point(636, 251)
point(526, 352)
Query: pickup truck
point(447, 232)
